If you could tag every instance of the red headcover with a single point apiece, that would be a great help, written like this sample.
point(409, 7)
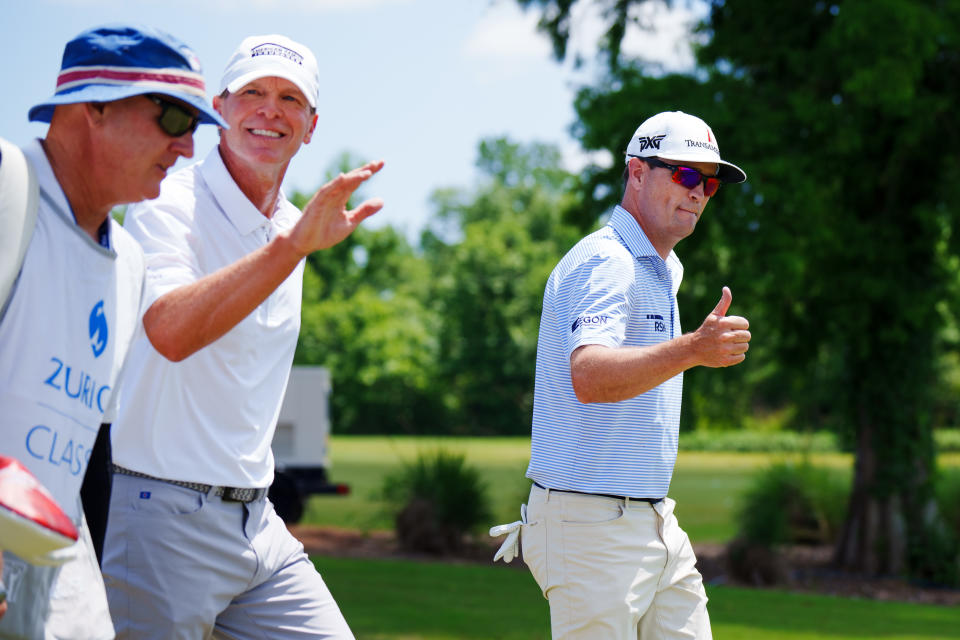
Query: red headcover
point(32, 524)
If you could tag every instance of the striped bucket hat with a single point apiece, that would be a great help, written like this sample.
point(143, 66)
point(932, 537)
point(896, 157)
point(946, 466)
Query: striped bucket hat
point(113, 62)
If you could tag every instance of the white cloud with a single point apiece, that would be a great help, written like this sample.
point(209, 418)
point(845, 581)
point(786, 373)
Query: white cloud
point(315, 6)
point(505, 31)
point(669, 38)
point(306, 6)
point(656, 33)
point(576, 159)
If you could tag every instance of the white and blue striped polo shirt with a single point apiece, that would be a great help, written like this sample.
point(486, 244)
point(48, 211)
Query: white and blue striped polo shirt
point(611, 289)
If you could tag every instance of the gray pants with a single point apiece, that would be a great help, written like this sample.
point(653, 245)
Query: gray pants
point(55, 603)
point(182, 564)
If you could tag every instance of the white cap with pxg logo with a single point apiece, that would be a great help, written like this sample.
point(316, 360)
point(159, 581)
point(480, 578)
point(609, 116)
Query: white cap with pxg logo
point(273, 55)
point(681, 137)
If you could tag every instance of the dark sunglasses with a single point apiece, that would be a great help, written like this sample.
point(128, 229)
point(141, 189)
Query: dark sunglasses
point(687, 176)
point(175, 119)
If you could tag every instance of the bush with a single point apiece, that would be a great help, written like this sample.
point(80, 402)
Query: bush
point(438, 499)
point(793, 504)
point(785, 504)
point(947, 491)
point(947, 440)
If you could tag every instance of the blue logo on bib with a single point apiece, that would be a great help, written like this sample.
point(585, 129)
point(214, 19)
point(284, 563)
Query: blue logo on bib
point(98, 329)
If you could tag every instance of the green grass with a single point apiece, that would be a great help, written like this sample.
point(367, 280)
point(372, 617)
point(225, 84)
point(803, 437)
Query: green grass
point(405, 600)
point(706, 485)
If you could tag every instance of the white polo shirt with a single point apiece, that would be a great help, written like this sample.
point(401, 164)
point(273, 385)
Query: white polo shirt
point(71, 317)
point(611, 289)
point(209, 418)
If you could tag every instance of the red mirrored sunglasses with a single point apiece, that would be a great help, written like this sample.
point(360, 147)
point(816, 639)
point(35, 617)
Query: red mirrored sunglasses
point(686, 176)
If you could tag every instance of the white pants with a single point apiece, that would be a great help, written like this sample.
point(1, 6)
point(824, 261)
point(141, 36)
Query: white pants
point(613, 569)
point(183, 565)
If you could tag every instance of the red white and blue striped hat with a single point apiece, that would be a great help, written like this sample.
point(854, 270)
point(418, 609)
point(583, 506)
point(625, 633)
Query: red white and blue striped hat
point(113, 62)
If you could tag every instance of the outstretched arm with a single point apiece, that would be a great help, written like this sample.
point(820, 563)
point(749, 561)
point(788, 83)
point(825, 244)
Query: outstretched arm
point(605, 374)
point(190, 317)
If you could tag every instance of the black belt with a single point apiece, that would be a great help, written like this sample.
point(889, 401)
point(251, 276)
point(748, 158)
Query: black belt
point(602, 495)
point(229, 494)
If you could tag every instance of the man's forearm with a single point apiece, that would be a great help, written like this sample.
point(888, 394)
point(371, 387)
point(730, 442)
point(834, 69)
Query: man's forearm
point(605, 374)
point(185, 320)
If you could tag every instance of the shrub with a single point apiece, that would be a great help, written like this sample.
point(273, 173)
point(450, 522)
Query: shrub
point(947, 440)
point(437, 500)
point(793, 504)
point(947, 491)
point(785, 504)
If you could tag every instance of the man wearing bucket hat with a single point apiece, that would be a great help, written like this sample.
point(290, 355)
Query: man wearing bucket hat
point(126, 103)
point(194, 547)
point(598, 532)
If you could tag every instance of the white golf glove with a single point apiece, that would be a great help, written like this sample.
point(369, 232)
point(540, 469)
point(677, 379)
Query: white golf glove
point(508, 550)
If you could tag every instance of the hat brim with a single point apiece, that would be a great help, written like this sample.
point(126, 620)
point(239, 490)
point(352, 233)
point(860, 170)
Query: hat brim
point(269, 71)
point(43, 112)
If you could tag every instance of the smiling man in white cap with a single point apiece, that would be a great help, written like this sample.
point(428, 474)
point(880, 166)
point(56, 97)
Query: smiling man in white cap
point(126, 103)
point(598, 532)
point(193, 546)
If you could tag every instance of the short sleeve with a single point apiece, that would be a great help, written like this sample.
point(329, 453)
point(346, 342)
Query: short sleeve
point(596, 300)
point(165, 230)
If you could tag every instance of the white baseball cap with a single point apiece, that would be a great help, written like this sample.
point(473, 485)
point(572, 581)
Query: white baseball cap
point(675, 135)
point(273, 55)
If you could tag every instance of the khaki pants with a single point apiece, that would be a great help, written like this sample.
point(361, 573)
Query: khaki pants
point(613, 569)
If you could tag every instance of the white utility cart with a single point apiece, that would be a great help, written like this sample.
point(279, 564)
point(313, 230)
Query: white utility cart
point(301, 443)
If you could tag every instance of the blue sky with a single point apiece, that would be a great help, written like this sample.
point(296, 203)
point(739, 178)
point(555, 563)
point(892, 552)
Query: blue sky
point(417, 83)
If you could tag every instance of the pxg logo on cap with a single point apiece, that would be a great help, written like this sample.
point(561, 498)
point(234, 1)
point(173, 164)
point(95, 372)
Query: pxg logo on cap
point(650, 142)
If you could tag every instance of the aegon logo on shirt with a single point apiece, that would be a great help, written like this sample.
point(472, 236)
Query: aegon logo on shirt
point(98, 329)
point(588, 320)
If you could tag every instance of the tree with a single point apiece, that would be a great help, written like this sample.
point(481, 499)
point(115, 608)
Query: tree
point(443, 340)
point(843, 240)
point(365, 319)
point(491, 252)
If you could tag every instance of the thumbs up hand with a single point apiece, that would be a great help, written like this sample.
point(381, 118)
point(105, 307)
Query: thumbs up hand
point(725, 299)
point(722, 340)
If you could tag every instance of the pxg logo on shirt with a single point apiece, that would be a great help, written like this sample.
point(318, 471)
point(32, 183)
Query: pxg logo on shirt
point(588, 320)
point(98, 329)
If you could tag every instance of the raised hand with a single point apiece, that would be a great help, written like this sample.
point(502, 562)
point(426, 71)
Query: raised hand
point(326, 221)
point(722, 340)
